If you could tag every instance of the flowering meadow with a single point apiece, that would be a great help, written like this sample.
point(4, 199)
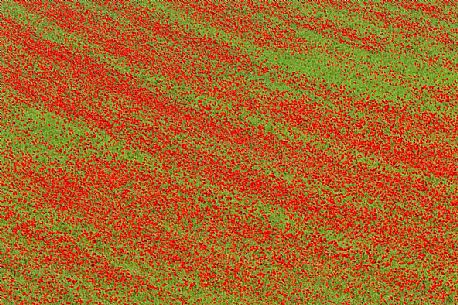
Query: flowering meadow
point(229, 152)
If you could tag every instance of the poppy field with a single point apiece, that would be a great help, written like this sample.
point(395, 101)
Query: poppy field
point(228, 152)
